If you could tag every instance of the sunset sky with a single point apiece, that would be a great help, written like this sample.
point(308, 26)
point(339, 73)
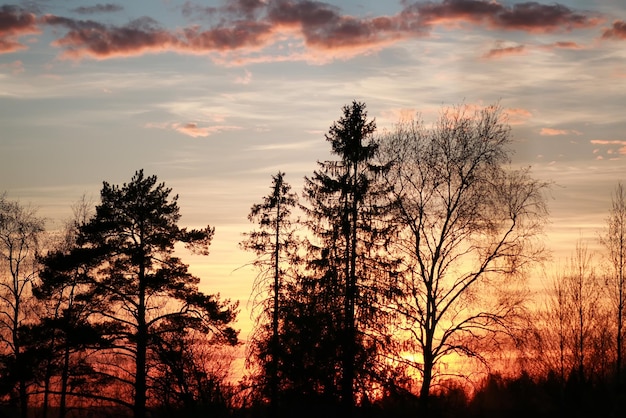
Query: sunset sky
point(216, 96)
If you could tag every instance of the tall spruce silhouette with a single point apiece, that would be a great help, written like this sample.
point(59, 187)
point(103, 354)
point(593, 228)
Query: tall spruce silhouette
point(347, 256)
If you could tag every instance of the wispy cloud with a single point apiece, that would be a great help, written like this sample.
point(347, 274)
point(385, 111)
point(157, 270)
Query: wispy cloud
point(300, 145)
point(505, 51)
point(621, 145)
point(517, 116)
point(500, 50)
point(16, 67)
point(565, 45)
point(557, 132)
point(14, 23)
point(193, 129)
point(246, 78)
point(98, 8)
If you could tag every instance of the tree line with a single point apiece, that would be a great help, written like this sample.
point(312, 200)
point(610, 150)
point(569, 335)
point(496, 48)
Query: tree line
point(398, 271)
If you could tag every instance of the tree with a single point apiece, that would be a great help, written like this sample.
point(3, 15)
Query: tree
point(582, 292)
point(614, 241)
point(273, 244)
point(20, 234)
point(64, 333)
point(139, 289)
point(468, 227)
point(348, 259)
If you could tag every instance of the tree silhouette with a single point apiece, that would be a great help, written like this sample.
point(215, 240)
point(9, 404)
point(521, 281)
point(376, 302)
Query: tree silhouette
point(348, 259)
point(274, 245)
point(138, 288)
point(614, 241)
point(468, 227)
point(20, 234)
point(64, 331)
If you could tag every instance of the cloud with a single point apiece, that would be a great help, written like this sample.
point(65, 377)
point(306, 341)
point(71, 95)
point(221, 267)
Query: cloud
point(566, 45)
point(531, 17)
point(557, 132)
point(244, 8)
point(193, 129)
point(622, 145)
point(15, 22)
point(243, 34)
point(517, 116)
point(323, 26)
point(16, 67)
point(98, 8)
point(319, 28)
point(505, 51)
point(191, 10)
point(87, 37)
point(618, 31)
point(236, 8)
point(502, 51)
point(244, 79)
point(605, 142)
point(300, 145)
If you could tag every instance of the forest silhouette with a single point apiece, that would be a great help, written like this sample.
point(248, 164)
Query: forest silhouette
point(395, 284)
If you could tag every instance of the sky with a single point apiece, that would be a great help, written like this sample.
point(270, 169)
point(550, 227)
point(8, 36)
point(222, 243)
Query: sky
point(216, 96)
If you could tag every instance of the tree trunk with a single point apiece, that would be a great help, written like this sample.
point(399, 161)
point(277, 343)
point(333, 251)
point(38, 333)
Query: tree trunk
point(275, 342)
point(19, 361)
point(142, 346)
point(428, 373)
point(350, 301)
point(620, 314)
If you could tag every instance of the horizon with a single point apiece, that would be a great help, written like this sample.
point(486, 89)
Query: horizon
point(214, 98)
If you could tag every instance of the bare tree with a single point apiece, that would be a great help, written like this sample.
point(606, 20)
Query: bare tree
point(20, 234)
point(553, 330)
point(614, 241)
point(469, 227)
point(572, 336)
point(582, 291)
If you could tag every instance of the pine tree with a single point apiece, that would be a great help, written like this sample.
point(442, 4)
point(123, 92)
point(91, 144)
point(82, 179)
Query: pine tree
point(274, 245)
point(139, 288)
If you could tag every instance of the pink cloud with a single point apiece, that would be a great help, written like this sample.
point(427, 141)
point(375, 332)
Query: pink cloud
point(617, 31)
point(566, 45)
point(193, 129)
point(517, 116)
point(15, 22)
point(250, 25)
point(621, 149)
point(505, 51)
point(605, 142)
point(557, 132)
